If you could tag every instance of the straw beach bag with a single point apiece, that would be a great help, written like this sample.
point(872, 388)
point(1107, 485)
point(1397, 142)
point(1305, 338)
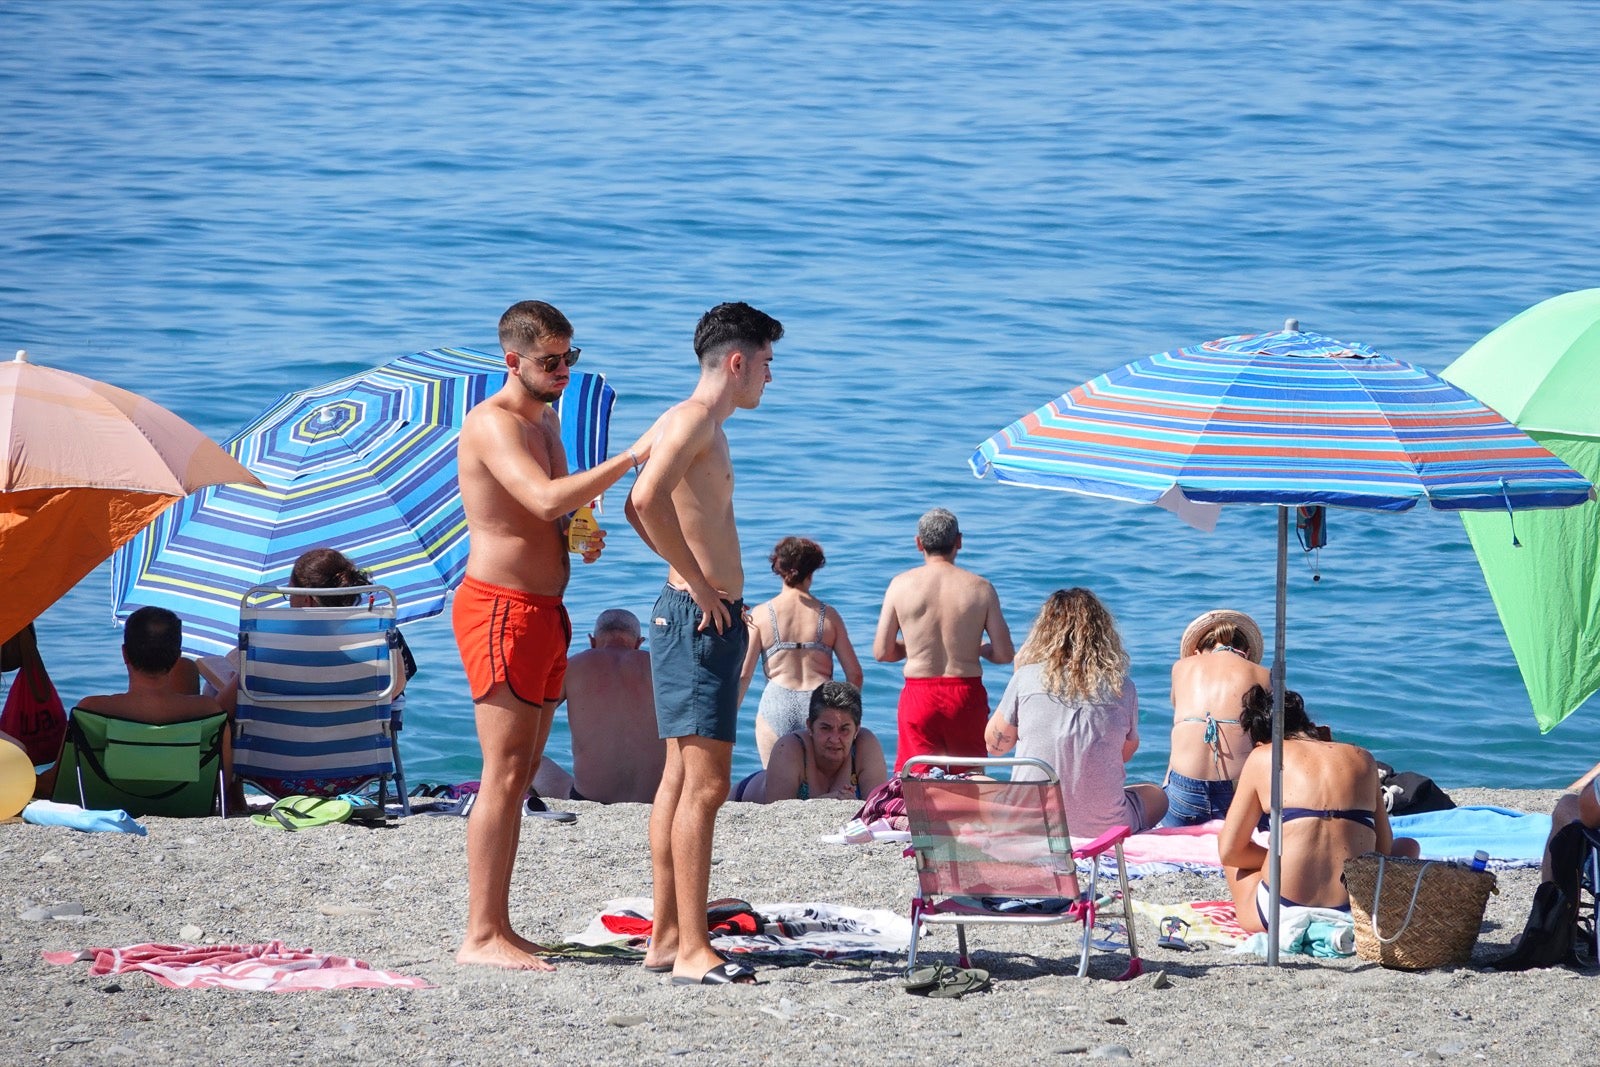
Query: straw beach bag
point(1415, 914)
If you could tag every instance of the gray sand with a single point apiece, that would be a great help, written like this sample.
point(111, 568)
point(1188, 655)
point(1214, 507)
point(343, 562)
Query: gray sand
point(241, 883)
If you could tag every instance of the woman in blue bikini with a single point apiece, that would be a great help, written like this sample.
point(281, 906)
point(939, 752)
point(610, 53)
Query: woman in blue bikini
point(1332, 811)
point(833, 758)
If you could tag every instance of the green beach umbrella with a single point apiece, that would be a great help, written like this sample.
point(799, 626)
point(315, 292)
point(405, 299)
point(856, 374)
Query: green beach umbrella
point(1541, 370)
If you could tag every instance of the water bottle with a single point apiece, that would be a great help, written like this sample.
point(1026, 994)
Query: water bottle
point(1480, 860)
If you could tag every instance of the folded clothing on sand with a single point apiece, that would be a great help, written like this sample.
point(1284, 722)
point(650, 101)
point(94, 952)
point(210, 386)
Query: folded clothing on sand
point(269, 968)
point(50, 813)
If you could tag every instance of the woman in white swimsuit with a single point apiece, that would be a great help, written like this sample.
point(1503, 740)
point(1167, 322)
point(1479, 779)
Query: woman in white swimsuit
point(794, 667)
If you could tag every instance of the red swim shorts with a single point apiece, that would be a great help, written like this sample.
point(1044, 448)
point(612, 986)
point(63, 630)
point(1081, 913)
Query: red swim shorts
point(942, 717)
point(506, 635)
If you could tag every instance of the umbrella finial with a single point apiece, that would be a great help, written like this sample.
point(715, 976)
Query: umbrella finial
point(1291, 325)
point(22, 356)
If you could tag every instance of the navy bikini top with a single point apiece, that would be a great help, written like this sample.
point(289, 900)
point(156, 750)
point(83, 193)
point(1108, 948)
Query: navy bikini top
point(1365, 818)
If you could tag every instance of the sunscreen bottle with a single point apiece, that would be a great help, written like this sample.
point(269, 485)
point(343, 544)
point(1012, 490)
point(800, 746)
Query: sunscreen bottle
point(581, 528)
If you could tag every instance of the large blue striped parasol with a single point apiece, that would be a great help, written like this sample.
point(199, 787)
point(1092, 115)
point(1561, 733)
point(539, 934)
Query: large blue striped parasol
point(1287, 419)
point(1283, 418)
point(365, 464)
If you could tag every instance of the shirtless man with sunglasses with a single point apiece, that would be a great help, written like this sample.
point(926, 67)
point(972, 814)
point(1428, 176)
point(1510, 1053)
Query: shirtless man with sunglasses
point(510, 624)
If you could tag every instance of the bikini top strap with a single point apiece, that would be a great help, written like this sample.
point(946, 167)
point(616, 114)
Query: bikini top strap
point(822, 620)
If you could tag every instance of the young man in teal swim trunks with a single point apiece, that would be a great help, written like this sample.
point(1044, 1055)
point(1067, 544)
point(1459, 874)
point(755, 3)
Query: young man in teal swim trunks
point(682, 506)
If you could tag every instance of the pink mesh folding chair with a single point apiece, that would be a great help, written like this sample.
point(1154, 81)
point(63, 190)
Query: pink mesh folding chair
point(998, 852)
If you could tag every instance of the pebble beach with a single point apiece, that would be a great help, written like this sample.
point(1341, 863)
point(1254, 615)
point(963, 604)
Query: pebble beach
point(396, 897)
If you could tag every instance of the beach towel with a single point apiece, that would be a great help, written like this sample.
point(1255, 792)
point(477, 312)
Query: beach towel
point(1322, 933)
point(1209, 920)
point(50, 813)
point(268, 968)
point(1512, 838)
point(801, 932)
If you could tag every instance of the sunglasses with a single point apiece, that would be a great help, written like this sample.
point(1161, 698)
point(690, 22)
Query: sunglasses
point(550, 363)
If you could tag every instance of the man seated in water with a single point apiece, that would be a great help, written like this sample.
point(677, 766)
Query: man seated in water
point(611, 712)
point(834, 757)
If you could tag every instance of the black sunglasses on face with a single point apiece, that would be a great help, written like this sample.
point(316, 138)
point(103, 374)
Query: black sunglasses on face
point(550, 363)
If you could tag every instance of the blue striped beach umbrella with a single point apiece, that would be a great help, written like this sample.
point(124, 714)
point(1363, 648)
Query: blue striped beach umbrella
point(365, 464)
point(1287, 419)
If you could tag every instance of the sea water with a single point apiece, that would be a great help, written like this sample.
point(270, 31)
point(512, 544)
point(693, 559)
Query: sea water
point(958, 210)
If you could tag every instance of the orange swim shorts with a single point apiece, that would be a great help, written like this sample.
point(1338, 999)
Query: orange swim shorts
point(506, 635)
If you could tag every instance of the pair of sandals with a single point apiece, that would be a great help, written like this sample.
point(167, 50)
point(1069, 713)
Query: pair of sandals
point(942, 981)
point(1174, 933)
point(295, 813)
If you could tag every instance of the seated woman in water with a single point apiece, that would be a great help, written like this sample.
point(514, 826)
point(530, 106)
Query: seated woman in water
point(1332, 811)
point(833, 757)
point(794, 667)
point(1219, 659)
point(1071, 703)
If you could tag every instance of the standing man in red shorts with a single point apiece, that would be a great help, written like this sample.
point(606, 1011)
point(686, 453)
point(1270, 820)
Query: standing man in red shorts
point(510, 624)
point(934, 618)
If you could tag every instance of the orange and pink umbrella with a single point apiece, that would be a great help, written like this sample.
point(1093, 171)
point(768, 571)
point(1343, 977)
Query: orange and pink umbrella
point(87, 465)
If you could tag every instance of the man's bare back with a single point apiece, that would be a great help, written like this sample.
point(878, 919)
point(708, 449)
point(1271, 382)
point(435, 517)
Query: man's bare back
point(616, 756)
point(942, 613)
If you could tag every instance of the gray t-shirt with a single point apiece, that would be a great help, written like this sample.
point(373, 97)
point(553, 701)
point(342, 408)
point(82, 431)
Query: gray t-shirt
point(1083, 741)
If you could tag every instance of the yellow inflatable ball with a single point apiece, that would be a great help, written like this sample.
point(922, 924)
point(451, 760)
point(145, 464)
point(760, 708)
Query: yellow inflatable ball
point(16, 778)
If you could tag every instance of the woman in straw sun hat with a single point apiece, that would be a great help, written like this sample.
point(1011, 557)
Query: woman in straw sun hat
point(1219, 659)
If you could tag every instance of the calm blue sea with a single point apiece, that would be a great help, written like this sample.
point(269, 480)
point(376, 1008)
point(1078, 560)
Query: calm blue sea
point(958, 210)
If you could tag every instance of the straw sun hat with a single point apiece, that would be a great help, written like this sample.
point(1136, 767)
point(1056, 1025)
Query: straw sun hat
point(1196, 631)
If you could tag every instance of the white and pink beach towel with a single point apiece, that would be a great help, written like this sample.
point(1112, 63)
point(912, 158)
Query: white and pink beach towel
point(268, 968)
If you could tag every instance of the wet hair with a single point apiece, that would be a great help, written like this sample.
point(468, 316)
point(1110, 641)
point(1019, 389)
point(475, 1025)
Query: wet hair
point(153, 640)
point(840, 696)
point(727, 327)
point(328, 568)
point(617, 621)
point(938, 531)
point(1076, 644)
point(795, 559)
point(1255, 715)
point(531, 323)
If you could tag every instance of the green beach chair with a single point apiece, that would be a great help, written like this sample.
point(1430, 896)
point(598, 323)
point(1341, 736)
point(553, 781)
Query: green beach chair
point(173, 770)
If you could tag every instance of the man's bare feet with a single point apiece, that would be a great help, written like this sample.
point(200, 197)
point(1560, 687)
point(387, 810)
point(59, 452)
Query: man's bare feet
point(660, 957)
point(530, 947)
point(501, 952)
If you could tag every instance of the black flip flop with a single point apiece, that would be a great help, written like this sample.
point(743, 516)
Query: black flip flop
point(722, 974)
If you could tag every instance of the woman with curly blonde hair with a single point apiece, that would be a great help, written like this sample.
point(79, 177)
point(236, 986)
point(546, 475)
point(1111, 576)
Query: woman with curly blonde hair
point(1072, 704)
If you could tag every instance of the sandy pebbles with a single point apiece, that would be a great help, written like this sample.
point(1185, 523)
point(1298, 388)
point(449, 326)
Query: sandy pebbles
point(396, 897)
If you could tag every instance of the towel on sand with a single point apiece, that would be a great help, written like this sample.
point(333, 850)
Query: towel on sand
point(817, 931)
point(269, 968)
point(1512, 838)
point(1209, 920)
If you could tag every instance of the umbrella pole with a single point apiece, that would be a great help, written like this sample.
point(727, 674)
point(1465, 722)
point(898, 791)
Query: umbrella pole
point(1275, 838)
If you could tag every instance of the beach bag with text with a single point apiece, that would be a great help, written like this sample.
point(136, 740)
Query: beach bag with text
point(1414, 914)
point(33, 713)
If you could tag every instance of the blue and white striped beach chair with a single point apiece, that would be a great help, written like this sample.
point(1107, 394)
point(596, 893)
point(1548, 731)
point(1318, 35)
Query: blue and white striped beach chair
point(319, 705)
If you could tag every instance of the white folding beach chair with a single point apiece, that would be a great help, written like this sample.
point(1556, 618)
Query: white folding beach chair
point(318, 686)
point(992, 851)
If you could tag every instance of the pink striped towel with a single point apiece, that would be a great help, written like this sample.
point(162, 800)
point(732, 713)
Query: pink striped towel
point(267, 968)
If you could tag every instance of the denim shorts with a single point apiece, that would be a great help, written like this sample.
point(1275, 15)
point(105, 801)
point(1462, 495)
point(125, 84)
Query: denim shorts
point(1191, 801)
point(696, 673)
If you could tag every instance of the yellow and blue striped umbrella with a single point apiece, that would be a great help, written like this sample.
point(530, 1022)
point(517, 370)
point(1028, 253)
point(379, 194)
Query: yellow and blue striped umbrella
point(366, 465)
